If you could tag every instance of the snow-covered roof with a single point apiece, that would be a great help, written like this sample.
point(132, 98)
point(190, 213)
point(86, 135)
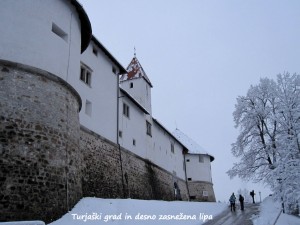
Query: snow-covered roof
point(192, 146)
point(135, 70)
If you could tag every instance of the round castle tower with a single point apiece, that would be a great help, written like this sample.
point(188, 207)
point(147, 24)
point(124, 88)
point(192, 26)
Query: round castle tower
point(40, 160)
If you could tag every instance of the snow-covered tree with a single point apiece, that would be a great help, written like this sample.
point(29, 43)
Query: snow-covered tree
point(269, 141)
point(287, 171)
point(256, 143)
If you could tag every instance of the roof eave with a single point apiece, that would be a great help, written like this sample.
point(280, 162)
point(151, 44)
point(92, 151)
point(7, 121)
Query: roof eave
point(109, 55)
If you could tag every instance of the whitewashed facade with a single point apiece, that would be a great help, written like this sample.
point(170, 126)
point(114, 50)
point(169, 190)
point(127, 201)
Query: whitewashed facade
point(160, 147)
point(132, 125)
point(99, 93)
point(197, 160)
point(167, 151)
point(198, 167)
point(56, 31)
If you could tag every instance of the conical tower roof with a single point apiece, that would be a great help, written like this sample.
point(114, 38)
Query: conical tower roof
point(135, 70)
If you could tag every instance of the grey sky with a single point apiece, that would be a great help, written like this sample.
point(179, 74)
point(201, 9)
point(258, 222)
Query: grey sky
point(200, 55)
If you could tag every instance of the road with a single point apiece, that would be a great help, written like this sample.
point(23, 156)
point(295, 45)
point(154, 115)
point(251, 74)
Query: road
point(235, 218)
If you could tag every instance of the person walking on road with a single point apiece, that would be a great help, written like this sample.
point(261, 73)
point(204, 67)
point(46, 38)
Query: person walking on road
point(252, 195)
point(232, 202)
point(241, 199)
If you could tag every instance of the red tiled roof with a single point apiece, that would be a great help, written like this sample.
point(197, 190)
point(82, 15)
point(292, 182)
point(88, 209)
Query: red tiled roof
point(135, 70)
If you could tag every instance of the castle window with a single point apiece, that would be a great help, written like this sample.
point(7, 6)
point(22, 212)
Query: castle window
point(114, 70)
point(125, 110)
point(205, 193)
point(59, 32)
point(131, 85)
point(189, 179)
point(88, 108)
point(133, 142)
point(172, 147)
point(201, 158)
point(85, 74)
point(187, 160)
point(193, 197)
point(95, 51)
point(120, 133)
point(148, 126)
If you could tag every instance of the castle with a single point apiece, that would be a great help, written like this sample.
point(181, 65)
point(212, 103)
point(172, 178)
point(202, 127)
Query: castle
point(75, 123)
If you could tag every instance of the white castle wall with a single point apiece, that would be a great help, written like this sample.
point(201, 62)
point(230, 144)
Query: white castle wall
point(102, 93)
point(141, 91)
point(27, 36)
point(133, 127)
point(196, 170)
point(161, 153)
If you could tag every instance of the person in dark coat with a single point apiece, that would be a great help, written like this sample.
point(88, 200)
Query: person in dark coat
point(241, 199)
point(232, 202)
point(252, 195)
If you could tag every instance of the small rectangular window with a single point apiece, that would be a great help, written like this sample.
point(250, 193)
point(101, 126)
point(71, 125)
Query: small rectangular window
point(125, 110)
point(85, 75)
point(205, 193)
point(172, 147)
point(95, 51)
point(193, 197)
point(189, 179)
point(133, 142)
point(120, 133)
point(131, 85)
point(114, 70)
point(187, 160)
point(148, 126)
point(88, 108)
point(59, 32)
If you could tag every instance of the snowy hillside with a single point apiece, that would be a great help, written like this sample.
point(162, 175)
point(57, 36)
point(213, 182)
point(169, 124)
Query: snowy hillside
point(130, 212)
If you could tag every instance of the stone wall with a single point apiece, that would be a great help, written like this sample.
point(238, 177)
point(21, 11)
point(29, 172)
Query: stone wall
point(40, 164)
point(102, 175)
point(196, 189)
point(114, 172)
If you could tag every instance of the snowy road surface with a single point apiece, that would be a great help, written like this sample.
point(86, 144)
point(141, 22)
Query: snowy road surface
point(236, 218)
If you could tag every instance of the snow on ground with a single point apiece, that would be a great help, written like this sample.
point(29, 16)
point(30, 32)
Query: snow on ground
point(131, 212)
point(285, 219)
point(270, 210)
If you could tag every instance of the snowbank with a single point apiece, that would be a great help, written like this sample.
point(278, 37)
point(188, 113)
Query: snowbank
point(130, 212)
point(269, 212)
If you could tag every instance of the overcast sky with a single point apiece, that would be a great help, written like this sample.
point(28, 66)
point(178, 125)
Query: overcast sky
point(200, 55)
